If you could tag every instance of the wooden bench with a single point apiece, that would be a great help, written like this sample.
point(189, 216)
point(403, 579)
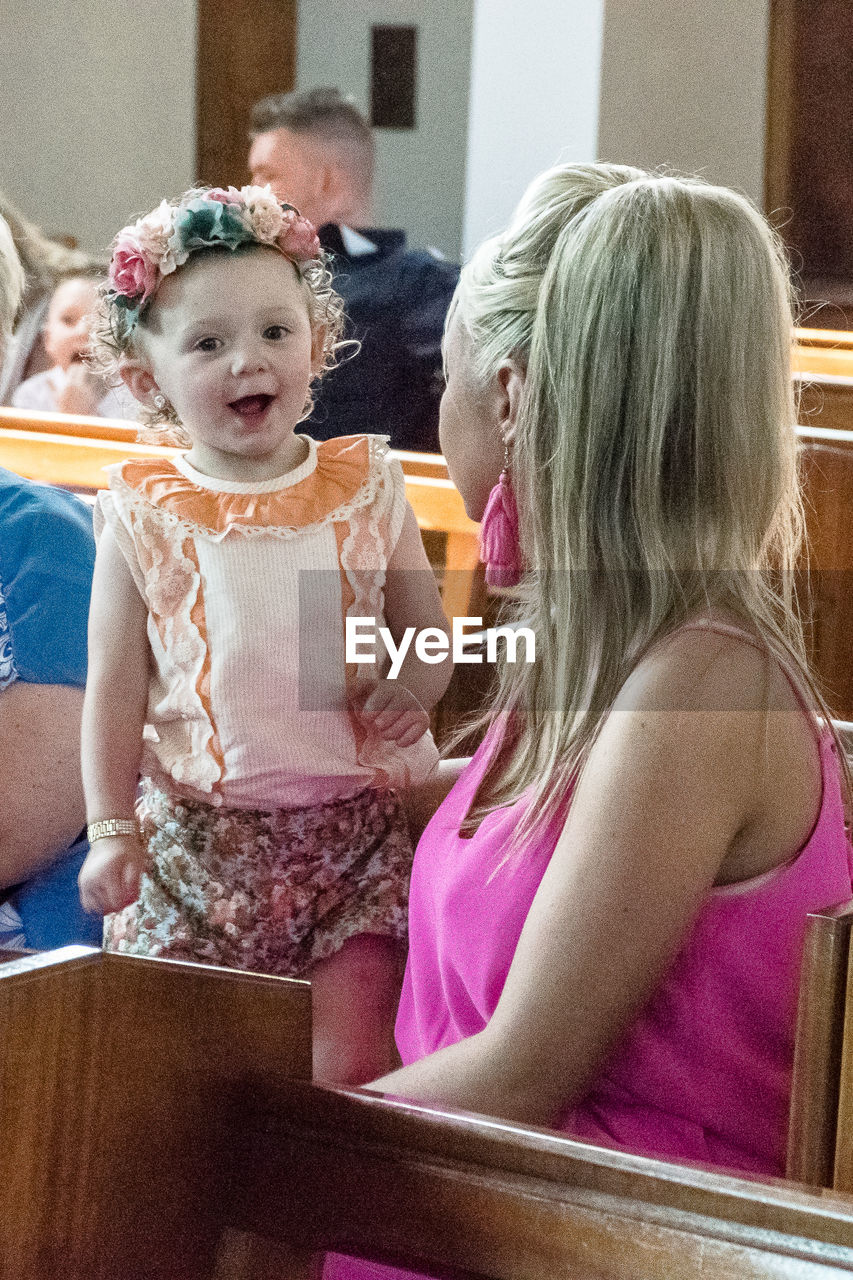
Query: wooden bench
point(820, 1134)
point(158, 1125)
point(77, 462)
point(823, 372)
point(823, 351)
point(73, 451)
point(826, 459)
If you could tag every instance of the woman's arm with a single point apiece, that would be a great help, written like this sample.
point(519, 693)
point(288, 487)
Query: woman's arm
point(422, 801)
point(662, 798)
point(113, 720)
point(41, 793)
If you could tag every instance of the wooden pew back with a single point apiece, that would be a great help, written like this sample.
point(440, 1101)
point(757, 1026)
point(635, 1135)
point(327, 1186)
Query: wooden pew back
point(153, 1109)
point(445, 1192)
point(818, 352)
point(827, 467)
point(113, 1076)
point(826, 464)
point(822, 1026)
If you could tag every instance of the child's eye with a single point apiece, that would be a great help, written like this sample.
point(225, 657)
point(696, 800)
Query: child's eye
point(275, 332)
point(207, 344)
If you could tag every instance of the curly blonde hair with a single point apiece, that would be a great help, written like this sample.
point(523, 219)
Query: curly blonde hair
point(112, 338)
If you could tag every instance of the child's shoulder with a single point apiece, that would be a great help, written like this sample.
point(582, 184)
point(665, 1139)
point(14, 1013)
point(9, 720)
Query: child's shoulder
point(350, 449)
point(359, 458)
point(136, 473)
point(37, 393)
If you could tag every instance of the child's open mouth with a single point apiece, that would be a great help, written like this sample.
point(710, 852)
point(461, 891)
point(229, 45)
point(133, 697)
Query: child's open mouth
point(250, 407)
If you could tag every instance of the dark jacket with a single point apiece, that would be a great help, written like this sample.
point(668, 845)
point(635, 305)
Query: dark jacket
point(396, 301)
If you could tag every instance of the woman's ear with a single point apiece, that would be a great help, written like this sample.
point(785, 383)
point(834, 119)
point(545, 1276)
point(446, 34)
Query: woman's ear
point(138, 379)
point(511, 382)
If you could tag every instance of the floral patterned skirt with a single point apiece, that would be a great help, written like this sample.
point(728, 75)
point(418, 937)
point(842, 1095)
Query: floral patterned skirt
point(271, 891)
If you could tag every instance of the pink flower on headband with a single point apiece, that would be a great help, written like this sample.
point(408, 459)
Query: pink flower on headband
point(298, 238)
point(221, 196)
point(132, 273)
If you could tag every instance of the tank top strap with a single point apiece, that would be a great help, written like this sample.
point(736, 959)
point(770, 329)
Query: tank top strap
point(740, 633)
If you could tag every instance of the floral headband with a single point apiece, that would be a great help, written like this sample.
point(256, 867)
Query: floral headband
point(159, 243)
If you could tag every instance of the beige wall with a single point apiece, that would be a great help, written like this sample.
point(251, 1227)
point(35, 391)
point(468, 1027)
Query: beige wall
point(97, 101)
point(97, 104)
point(683, 84)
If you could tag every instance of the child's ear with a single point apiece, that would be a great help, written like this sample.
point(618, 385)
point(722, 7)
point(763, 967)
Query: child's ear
point(138, 379)
point(512, 378)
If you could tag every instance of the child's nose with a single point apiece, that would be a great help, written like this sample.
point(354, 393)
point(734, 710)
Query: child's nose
point(248, 358)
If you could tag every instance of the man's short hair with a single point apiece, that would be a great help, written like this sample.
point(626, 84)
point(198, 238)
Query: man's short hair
point(325, 113)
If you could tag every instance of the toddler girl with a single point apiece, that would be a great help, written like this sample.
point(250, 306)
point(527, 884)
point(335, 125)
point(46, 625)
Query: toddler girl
point(70, 386)
point(269, 833)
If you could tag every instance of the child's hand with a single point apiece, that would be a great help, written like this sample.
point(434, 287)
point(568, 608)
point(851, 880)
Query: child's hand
point(109, 878)
point(393, 712)
point(82, 392)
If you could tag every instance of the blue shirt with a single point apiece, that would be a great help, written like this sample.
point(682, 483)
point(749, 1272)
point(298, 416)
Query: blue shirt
point(47, 554)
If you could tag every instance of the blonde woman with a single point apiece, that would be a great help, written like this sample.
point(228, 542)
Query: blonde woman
point(11, 283)
point(46, 263)
point(607, 910)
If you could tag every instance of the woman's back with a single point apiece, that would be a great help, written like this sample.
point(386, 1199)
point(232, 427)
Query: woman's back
point(703, 1070)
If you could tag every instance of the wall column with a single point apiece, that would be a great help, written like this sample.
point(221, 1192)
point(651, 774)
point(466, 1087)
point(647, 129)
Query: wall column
point(535, 77)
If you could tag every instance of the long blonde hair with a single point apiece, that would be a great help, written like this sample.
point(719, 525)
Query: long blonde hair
point(45, 262)
point(11, 283)
point(654, 462)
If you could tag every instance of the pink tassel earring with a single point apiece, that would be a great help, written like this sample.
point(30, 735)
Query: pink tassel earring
point(500, 550)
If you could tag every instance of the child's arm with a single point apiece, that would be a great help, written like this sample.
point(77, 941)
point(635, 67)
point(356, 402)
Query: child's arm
point(399, 709)
point(421, 802)
point(113, 719)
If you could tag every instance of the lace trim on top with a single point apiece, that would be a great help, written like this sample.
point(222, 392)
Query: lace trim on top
point(341, 477)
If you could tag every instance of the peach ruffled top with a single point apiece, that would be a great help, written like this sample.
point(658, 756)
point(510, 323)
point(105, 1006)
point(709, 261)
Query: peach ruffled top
point(247, 588)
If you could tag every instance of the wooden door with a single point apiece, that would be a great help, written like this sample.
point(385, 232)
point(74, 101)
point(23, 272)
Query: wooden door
point(809, 156)
point(246, 50)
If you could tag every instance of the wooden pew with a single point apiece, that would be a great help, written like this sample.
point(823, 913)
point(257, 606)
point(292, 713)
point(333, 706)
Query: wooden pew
point(826, 460)
point(823, 351)
point(827, 463)
point(155, 1113)
point(114, 1076)
point(819, 1129)
point(68, 424)
point(72, 452)
point(823, 374)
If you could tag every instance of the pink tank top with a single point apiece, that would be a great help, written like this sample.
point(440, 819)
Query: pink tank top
point(704, 1071)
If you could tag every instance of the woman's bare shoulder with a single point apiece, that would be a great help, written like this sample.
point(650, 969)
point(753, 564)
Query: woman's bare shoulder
point(700, 668)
